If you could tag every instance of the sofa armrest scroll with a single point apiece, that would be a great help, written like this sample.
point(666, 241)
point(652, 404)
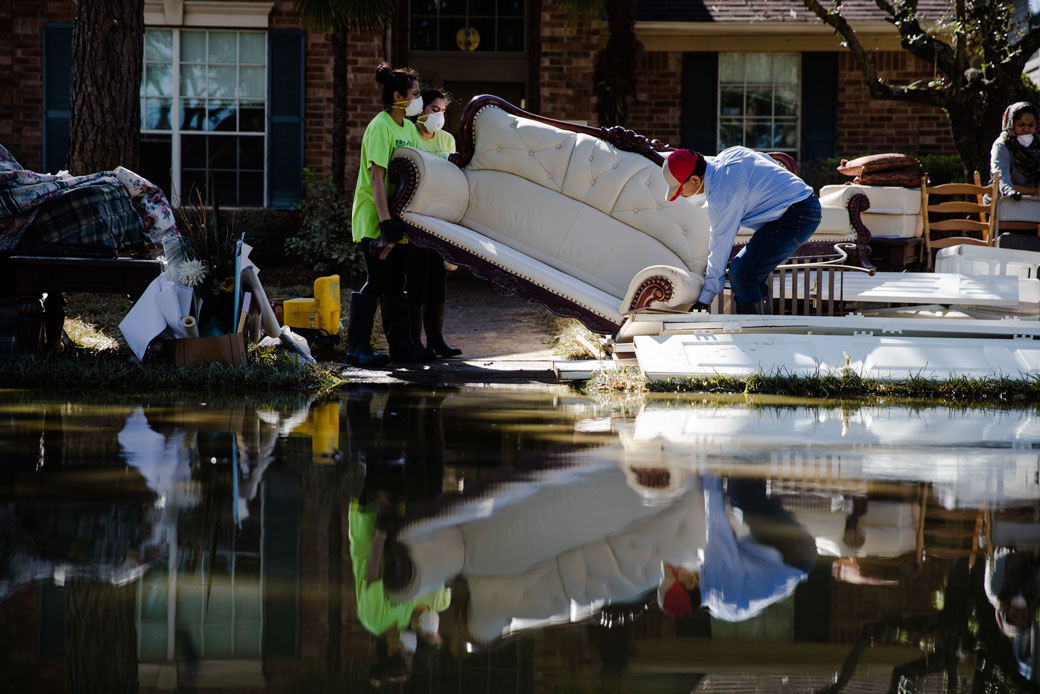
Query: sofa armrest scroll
point(429, 185)
point(662, 287)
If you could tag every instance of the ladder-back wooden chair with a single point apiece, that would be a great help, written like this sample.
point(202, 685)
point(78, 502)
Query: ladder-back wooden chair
point(958, 214)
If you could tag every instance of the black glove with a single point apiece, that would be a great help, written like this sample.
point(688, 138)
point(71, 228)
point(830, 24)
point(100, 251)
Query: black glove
point(701, 306)
point(1017, 196)
point(391, 230)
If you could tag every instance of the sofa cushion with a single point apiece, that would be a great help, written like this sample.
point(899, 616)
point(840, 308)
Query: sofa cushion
point(563, 233)
point(883, 199)
point(623, 185)
point(873, 163)
point(520, 264)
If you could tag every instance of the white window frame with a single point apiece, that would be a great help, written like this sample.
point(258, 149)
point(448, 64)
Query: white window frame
point(796, 151)
point(175, 132)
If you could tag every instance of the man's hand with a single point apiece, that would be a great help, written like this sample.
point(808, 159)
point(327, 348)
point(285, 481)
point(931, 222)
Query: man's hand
point(701, 306)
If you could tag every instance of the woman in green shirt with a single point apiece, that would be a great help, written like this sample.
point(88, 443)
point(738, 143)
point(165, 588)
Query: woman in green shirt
point(385, 248)
point(427, 281)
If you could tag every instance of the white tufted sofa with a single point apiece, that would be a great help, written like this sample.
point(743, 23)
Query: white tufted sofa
point(568, 215)
point(556, 213)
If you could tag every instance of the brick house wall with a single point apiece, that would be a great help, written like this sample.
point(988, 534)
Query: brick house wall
point(657, 110)
point(21, 63)
point(867, 125)
point(565, 75)
point(564, 88)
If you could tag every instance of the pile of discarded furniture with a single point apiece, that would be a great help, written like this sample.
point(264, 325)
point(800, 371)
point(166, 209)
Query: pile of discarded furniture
point(575, 217)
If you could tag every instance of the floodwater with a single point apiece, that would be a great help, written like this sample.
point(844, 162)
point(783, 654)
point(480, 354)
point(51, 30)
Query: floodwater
point(161, 545)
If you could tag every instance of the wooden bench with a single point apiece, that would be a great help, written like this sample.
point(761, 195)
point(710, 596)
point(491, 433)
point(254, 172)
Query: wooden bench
point(24, 279)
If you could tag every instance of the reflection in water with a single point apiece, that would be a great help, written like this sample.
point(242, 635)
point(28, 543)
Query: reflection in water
point(485, 540)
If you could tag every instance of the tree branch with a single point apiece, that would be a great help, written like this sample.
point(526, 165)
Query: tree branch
point(916, 40)
point(960, 62)
point(878, 88)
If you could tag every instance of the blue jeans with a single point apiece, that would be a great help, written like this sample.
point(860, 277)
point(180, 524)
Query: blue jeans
point(771, 524)
point(769, 246)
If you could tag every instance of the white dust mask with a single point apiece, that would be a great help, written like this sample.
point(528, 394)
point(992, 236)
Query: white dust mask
point(1025, 140)
point(434, 121)
point(414, 107)
point(411, 108)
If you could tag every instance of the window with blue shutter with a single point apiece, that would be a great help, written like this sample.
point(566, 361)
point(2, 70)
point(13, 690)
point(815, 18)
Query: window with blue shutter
point(57, 76)
point(285, 117)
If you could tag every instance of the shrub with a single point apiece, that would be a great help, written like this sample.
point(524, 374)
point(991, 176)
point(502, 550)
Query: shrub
point(266, 231)
point(324, 241)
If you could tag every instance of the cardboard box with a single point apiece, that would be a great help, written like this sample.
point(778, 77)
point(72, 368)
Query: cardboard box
point(192, 351)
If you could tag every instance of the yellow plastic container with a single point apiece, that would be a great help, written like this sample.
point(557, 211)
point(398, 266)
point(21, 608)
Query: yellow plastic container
point(326, 293)
point(322, 426)
point(300, 313)
point(321, 312)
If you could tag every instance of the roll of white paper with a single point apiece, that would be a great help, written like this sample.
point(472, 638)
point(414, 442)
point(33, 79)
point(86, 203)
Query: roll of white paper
point(190, 326)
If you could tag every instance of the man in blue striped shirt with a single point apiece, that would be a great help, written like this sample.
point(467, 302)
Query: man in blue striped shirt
point(749, 189)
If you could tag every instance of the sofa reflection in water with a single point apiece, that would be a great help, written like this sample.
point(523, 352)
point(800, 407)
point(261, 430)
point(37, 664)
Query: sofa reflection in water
point(554, 547)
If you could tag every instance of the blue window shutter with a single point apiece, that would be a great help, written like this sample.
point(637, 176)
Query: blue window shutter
point(700, 101)
point(57, 78)
point(285, 117)
point(819, 105)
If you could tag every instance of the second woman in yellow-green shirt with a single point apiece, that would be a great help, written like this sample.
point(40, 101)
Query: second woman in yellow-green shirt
point(427, 279)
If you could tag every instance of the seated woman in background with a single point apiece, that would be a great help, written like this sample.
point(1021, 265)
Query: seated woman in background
point(1015, 158)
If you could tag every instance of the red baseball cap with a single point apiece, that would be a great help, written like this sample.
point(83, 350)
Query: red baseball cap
point(671, 595)
point(677, 169)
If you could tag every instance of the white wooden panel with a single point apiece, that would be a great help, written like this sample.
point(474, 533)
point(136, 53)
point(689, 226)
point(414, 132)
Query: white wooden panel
point(873, 357)
point(702, 323)
point(927, 288)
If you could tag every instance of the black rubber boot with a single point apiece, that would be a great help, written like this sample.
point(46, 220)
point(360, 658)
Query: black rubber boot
point(395, 327)
point(415, 323)
point(762, 307)
point(359, 333)
point(433, 321)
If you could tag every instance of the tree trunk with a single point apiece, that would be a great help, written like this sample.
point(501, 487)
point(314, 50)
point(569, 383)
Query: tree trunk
point(971, 140)
point(100, 635)
point(339, 106)
point(105, 124)
point(615, 71)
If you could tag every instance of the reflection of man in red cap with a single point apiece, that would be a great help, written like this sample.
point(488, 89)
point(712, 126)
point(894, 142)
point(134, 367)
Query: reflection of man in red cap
point(749, 189)
point(739, 577)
